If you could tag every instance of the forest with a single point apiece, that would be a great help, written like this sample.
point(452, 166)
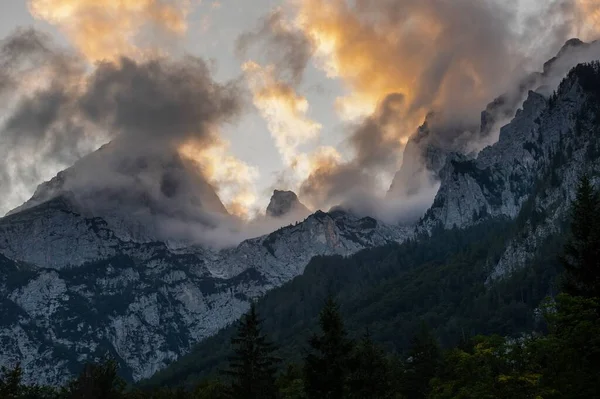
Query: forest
point(561, 359)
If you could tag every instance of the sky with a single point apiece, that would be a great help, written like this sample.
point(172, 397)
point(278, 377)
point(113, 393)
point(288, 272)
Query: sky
point(330, 90)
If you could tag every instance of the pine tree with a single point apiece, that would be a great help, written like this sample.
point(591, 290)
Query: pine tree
point(10, 382)
point(253, 366)
point(370, 375)
point(581, 258)
point(422, 364)
point(326, 366)
point(97, 381)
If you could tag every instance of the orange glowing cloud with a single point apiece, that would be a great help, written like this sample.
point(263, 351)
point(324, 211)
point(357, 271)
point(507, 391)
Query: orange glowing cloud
point(284, 110)
point(588, 19)
point(107, 29)
point(430, 52)
point(233, 179)
point(368, 61)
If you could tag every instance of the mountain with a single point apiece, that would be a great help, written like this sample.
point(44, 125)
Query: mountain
point(143, 195)
point(76, 286)
point(427, 150)
point(285, 203)
point(99, 260)
point(486, 254)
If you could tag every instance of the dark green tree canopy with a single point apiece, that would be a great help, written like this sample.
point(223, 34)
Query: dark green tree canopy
point(253, 366)
point(581, 258)
point(326, 366)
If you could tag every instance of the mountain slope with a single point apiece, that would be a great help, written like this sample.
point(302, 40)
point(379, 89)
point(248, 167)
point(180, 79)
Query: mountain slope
point(427, 150)
point(547, 147)
point(146, 196)
point(388, 291)
point(487, 253)
point(144, 302)
point(82, 275)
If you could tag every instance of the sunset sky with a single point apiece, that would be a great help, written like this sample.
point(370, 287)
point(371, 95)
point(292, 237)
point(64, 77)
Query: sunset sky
point(315, 74)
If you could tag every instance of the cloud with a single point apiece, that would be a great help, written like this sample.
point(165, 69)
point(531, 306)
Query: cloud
point(284, 110)
point(235, 180)
point(41, 131)
point(587, 19)
point(162, 117)
point(427, 51)
point(160, 101)
point(401, 60)
point(284, 47)
point(374, 147)
point(275, 89)
point(105, 30)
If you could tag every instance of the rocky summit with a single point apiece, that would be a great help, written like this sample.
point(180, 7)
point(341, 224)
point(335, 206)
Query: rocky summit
point(284, 203)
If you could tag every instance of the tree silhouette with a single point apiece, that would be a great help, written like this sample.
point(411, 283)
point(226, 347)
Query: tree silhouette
point(253, 366)
point(581, 258)
point(326, 366)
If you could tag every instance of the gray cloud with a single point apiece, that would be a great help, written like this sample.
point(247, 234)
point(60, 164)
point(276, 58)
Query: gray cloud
point(62, 111)
point(37, 86)
point(286, 48)
point(375, 145)
point(159, 100)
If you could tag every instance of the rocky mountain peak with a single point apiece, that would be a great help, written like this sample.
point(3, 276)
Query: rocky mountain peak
point(574, 42)
point(284, 203)
point(144, 196)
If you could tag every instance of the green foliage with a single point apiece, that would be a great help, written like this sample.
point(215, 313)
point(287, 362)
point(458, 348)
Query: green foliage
point(291, 383)
point(491, 368)
point(252, 368)
point(441, 280)
point(581, 258)
point(422, 365)
point(371, 372)
point(10, 382)
point(12, 387)
point(326, 366)
point(97, 381)
point(210, 389)
point(570, 353)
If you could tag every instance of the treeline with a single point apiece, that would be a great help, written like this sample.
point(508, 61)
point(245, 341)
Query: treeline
point(564, 362)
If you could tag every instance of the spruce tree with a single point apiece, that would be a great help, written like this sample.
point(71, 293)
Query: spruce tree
point(581, 258)
point(10, 382)
point(97, 381)
point(326, 366)
point(422, 365)
point(253, 366)
point(370, 372)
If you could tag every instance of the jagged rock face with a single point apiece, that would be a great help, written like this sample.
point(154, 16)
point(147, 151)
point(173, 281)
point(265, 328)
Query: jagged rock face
point(71, 290)
point(285, 203)
point(498, 181)
point(537, 162)
point(427, 151)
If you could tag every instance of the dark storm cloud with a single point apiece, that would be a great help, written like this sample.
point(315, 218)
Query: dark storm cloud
point(159, 100)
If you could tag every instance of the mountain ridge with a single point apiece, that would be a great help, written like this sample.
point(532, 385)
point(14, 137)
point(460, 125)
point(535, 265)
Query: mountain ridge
point(487, 253)
point(163, 299)
point(151, 301)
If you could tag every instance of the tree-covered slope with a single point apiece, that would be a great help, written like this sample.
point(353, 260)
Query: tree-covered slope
point(511, 206)
point(389, 291)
